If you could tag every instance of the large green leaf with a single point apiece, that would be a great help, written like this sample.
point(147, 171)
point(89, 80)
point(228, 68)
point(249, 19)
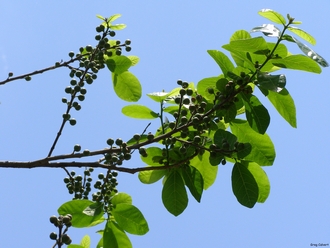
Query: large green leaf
point(117, 26)
point(174, 194)
point(273, 16)
point(114, 237)
point(309, 52)
point(194, 181)
point(134, 59)
point(206, 83)
point(154, 155)
point(261, 178)
point(84, 213)
point(158, 96)
point(85, 241)
point(130, 219)
point(256, 114)
point(75, 246)
point(298, 62)
point(249, 45)
point(151, 176)
point(303, 34)
point(139, 112)
point(244, 186)
point(202, 164)
point(121, 198)
point(284, 104)
point(118, 64)
point(263, 151)
point(222, 60)
point(127, 86)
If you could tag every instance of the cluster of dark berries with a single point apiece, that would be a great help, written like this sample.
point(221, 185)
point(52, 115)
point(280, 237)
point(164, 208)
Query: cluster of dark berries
point(60, 222)
point(117, 158)
point(79, 186)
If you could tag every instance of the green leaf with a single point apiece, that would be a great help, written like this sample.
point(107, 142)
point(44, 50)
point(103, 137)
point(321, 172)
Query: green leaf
point(229, 113)
point(130, 219)
point(271, 82)
point(75, 246)
point(158, 96)
point(310, 53)
point(139, 112)
point(298, 62)
point(261, 178)
point(202, 164)
point(100, 17)
point(127, 86)
point(303, 34)
point(113, 17)
point(221, 135)
point(151, 176)
point(206, 83)
point(263, 151)
point(222, 60)
point(244, 186)
point(84, 213)
point(154, 155)
point(117, 26)
point(134, 59)
point(273, 16)
point(284, 104)
point(256, 114)
point(194, 181)
point(249, 45)
point(118, 64)
point(174, 194)
point(121, 198)
point(114, 237)
point(86, 241)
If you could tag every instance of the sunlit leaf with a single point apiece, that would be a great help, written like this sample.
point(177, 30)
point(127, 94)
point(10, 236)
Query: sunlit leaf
point(134, 59)
point(158, 96)
point(114, 237)
point(206, 83)
point(244, 186)
point(311, 54)
point(297, 62)
point(118, 64)
point(121, 198)
point(100, 17)
point(117, 26)
point(222, 60)
point(302, 34)
point(84, 213)
point(263, 151)
point(273, 16)
point(139, 112)
point(268, 30)
point(202, 164)
point(130, 219)
point(249, 45)
point(113, 17)
point(284, 104)
point(127, 86)
point(151, 176)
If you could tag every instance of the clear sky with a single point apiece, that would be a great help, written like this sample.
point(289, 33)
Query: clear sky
point(171, 39)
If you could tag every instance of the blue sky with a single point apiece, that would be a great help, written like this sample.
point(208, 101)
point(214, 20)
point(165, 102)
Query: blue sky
point(171, 39)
